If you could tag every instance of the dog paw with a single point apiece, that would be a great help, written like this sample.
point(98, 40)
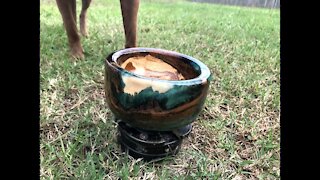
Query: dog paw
point(84, 32)
point(77, 56)
point(77, 53)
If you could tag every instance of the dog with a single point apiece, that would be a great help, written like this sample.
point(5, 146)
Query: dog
point(67, 9)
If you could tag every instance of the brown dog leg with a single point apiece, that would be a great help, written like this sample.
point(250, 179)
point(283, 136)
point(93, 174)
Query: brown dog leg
point(74, 10)
point(83, 17)
point(129, 9)
point(67, 10)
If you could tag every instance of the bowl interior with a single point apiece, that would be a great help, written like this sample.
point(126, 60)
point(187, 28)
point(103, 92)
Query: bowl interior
point(185, 66)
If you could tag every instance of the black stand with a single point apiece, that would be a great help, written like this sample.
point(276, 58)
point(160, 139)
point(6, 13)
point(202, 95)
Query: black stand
point(151, 145)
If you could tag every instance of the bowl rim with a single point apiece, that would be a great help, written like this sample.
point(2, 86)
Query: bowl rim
point(205, 73)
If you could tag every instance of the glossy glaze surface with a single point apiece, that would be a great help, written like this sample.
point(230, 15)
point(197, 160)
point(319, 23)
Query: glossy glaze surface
point(155, 104)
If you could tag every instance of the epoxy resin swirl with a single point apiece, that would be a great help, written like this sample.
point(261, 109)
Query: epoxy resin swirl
point(152, 103)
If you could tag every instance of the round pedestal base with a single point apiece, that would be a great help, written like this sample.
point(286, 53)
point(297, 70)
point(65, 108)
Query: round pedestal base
point(151, 144)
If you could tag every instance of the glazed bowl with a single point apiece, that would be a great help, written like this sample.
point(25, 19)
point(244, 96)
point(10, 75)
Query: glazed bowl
point(156, 104)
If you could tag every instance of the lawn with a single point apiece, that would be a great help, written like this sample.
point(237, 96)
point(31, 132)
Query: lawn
point(237, 134)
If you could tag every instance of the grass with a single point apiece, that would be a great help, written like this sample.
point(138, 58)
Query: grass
point(236, 136)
